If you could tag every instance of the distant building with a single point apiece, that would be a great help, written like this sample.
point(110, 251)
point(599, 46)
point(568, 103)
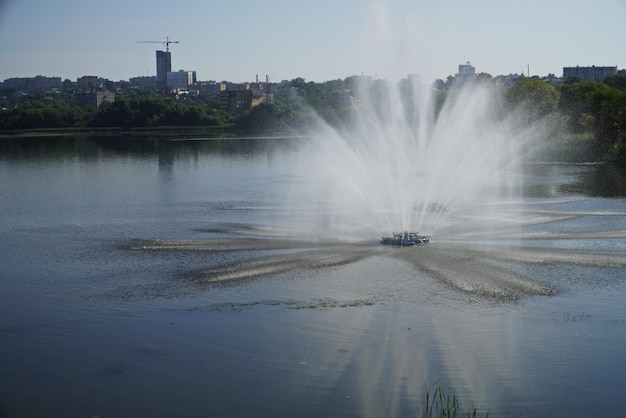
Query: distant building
point(96, 98)
point(147, 81)
point(507, 80)
point(235, 101)
point(207, 86)
point(180, 79)
point(89, 82)
point(164, 66)
point(261, 93)
point(592, 73)
point(238, 98)
point(414, 79)
point(38, 83)
point(466, 71)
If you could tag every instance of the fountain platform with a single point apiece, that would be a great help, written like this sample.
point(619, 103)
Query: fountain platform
point(406, 239)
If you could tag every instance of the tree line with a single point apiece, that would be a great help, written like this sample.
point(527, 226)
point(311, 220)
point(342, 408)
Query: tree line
point(595, 109)
point(60, 111)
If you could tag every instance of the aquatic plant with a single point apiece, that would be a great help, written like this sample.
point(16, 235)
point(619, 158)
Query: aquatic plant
point(444, 405)
point(314, 304)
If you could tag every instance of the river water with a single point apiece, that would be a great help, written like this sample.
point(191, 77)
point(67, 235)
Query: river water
point(152, 277)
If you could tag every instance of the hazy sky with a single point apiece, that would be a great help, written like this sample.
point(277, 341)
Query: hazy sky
point(317, 40)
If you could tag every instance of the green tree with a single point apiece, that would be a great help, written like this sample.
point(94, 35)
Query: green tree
point(608, 107)
point(601, 110)
point(616, 81)
point(44, 113)
point(264, 118)
point(575, 104)
point(534, 97)
point(116, 114)
point(67, 86)
point(484, 78)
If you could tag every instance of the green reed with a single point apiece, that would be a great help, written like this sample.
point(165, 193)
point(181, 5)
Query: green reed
point(440, 404)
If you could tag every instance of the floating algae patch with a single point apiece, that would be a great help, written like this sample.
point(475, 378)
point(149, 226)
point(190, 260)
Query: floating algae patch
point(146, 291)
point(328, 304)
point(206, 244)
point(236, 307)
point(314, 304)
point(217, 307)
point(224, 244)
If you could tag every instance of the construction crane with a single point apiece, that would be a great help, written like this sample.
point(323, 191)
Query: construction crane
point(167, 43)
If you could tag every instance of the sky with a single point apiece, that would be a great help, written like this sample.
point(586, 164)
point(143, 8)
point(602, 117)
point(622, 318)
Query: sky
point(320, 40)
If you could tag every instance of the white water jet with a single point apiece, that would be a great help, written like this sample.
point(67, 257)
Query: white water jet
point(412, 158)
point(403, 166)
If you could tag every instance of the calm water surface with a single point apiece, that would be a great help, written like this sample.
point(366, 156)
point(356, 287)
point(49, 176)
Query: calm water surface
point(93, 325)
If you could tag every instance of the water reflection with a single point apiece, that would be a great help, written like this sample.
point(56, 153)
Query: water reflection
point(89, 147)
point(602, 180)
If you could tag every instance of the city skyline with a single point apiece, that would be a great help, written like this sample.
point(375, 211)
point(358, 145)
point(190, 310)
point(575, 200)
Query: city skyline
point(238, 40)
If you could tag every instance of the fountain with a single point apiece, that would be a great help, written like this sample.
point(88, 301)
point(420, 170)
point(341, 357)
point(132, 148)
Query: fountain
point(410, 158)
point(407, 165)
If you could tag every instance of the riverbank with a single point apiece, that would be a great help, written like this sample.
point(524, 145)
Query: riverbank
point(161, 131)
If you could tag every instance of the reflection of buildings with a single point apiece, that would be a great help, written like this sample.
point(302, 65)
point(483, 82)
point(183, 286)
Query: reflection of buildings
point(592, 73)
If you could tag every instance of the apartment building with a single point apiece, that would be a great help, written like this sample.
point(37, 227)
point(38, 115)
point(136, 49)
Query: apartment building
point(592, 73)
